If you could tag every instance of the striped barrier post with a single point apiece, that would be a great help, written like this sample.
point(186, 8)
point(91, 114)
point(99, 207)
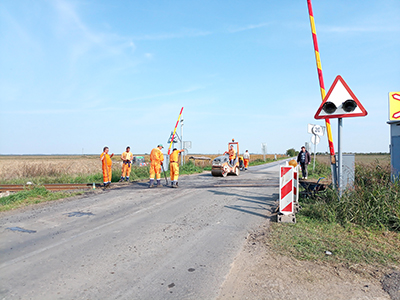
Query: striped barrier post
point(286, 190)
point(286, 195)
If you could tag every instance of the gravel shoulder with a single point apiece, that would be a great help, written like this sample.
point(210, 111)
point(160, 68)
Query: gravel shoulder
point(259, 273)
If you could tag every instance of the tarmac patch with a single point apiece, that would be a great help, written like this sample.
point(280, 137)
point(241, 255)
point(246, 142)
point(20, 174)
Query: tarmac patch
point(21, 229)
point(79, 214)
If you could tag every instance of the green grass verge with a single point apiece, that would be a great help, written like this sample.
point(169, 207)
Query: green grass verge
point(362, 227)
point(32, 196)
point(308, 239)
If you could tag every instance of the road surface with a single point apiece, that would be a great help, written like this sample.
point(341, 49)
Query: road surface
point(134, 242)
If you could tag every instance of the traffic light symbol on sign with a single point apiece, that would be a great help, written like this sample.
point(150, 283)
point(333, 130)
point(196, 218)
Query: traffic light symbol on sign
point(340, 102)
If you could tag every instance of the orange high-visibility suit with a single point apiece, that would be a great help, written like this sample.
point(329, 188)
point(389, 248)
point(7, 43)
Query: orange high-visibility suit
point(174, 164)
point(232, 154)
point(106, 163)
point(246, 159)
point(126, 164)
point(156, 158)
point(246, 162)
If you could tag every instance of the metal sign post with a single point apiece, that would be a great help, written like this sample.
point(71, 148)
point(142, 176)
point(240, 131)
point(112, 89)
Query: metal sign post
point(264, 149)
point(340, 157)
point(317, 132)
point(315, 140)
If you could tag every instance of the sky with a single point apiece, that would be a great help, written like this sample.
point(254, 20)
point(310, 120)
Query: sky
point(76, 76)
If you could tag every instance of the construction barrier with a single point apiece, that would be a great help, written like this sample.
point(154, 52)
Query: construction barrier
point(288, 191)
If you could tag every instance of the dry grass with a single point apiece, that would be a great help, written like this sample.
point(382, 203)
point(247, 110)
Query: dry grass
point(364, 159)
point(12, 167)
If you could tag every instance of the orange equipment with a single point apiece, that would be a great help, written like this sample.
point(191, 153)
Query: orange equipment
point(227, 163)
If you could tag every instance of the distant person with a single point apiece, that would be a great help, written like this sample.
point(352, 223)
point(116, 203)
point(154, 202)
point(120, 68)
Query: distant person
point(246, 157)
point(106, 163)
point(304, 158)
point(232, 155)
point(174, 167)
point(126, 157)
point(156, 161)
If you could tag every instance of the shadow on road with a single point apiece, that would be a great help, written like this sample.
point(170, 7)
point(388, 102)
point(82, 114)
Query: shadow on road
point(265, 203)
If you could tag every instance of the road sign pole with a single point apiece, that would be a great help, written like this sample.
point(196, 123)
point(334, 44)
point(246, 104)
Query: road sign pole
point(315, 150)
point(322, 87)
point(340, 157)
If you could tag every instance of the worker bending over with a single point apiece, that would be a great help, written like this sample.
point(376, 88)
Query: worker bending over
point(156, 161)
point(174, 167)
point(126, 157)
point(246, 157)
point(232, 155)
point(106, 163)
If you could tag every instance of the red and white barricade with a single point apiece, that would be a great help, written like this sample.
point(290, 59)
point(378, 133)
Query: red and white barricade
point(286, 190)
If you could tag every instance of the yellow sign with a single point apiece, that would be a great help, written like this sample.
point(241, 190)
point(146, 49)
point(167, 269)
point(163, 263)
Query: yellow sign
point(394, 106)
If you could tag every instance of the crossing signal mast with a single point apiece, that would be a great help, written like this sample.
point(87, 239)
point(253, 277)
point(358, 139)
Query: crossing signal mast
point(339, 103)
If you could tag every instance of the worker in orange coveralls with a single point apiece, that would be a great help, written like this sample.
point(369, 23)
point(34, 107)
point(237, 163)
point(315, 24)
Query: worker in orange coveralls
point(126, 157)
point(106, 165)
point(232, 154)
point(156, 161)
point(174, 167)
point(246, 157)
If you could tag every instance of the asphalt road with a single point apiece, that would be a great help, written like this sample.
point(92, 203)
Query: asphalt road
point(134, 242)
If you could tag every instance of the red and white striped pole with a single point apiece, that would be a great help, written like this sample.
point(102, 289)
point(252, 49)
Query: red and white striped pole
point(173, 135)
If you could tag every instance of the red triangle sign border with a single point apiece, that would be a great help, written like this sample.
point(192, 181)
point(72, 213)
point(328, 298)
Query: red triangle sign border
point(340, 115)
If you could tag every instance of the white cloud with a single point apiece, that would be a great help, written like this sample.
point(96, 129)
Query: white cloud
point(248, 27)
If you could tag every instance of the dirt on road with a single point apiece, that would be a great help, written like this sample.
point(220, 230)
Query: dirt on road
point(259, 273)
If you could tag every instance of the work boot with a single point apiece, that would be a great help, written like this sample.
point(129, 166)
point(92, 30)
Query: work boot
point(151, 183)
point(127, 179)
point(172, 183)
point(158, 183)
point(176, 184)
point(122, 179)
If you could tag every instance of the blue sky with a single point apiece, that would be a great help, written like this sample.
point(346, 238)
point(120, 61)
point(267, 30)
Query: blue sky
point(79, 75)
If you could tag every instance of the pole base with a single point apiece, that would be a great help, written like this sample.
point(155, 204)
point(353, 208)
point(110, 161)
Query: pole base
point(286, 218)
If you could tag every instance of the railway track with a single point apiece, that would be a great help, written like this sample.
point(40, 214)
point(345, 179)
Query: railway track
point(50, 187)
point(86, 186)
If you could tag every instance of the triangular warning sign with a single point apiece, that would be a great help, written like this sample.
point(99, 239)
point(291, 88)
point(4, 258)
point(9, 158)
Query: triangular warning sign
point(340, 102)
